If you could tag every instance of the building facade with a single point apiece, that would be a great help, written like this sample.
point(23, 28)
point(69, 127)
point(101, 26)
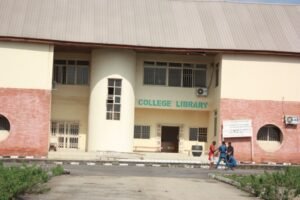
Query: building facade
point(142, 83)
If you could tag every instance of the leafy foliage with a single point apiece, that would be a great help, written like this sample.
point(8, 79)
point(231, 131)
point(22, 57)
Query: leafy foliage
point(58, 170)
point(283, 184)
point(15, 180)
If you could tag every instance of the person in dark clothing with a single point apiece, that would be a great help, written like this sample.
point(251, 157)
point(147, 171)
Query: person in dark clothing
point(223, 154)
point(230, 150)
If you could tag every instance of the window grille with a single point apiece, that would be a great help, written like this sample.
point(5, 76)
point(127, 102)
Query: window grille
point(187, 78)
point(113, 101)
point(71, 72)
point(67, 133)
point(198, 134)
point(53, 128)
point(175, 74)
point(141, 132)
point(269, 133)
point(202, 135)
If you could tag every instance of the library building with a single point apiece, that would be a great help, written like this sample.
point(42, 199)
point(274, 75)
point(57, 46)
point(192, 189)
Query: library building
point(150, 76)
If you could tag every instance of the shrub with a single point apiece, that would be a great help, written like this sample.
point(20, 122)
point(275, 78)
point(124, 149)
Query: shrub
point(57, 170)
point(283, 184)
point(15, 180)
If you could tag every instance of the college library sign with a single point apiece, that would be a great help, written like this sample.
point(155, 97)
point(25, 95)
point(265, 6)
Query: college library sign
point(172, 104)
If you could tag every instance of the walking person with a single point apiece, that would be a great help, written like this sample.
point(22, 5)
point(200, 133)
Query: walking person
point(223, 154)
point(211, 154)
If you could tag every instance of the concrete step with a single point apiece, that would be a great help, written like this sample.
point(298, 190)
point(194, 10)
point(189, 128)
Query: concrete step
point(124, 156)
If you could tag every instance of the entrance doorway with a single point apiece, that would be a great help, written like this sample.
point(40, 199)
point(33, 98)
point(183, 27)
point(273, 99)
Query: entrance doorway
point(169, 139)
point(64, 135)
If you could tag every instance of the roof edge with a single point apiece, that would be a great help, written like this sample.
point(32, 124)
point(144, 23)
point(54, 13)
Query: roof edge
point(147, 48)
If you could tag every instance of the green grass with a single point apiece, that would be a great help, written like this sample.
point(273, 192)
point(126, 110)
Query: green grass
point(283, 184)
point(16, 180)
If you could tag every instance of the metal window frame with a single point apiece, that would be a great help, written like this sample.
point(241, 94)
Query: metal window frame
point(140, 131)
point(201, 133)
point(66, 65)
point(265, 136)
point(113, 114)
point(168, 67)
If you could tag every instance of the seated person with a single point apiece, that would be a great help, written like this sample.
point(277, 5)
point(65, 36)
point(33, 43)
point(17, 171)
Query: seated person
point(231, 162)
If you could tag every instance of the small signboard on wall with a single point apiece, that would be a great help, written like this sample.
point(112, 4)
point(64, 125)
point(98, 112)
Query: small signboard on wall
point(237, 128)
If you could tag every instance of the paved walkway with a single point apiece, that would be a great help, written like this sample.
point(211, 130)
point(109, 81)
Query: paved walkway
point(137, 188)
point(138, 183)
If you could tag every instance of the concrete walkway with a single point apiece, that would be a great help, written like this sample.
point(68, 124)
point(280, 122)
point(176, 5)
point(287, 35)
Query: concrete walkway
point(138, 183)
point(137, 188)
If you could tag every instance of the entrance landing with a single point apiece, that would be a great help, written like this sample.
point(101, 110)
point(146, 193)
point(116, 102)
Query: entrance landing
point(132, 157)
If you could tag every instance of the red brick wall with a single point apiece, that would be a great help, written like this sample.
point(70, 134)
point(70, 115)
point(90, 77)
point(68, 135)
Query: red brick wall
point(28, 112)
point(262, 113)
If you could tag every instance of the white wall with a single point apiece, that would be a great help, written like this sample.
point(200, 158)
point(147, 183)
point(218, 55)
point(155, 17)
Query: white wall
point(70, 102)
point(174, 94)
point(159, 117)
point(215, 95)
point(258, 77)
point(113, 135)
point(26, 65)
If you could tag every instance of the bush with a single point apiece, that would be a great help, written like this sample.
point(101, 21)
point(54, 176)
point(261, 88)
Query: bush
point(58, 170)
point(17, 180)
point(278, 185)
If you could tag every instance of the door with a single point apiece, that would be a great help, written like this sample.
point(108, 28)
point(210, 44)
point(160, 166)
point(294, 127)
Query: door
point(169, 139)
point(66, 134)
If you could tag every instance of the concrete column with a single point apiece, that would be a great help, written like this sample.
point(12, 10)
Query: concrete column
point(111, 135)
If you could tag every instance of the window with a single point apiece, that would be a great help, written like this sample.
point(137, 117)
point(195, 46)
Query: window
point(217, 75)
point(198, 134)
point(175, 71)
point(4, 128)
point(200, 76)
point(155, 73)
point(269, 133)
point(4, 124)
point(187, 75)
point(141, 132)
point(113, 102)
point(66, 132)
point(71, 72)
point(174, 74)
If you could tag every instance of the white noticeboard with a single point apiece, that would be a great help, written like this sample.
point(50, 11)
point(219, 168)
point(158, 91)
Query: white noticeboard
point(237, 128)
